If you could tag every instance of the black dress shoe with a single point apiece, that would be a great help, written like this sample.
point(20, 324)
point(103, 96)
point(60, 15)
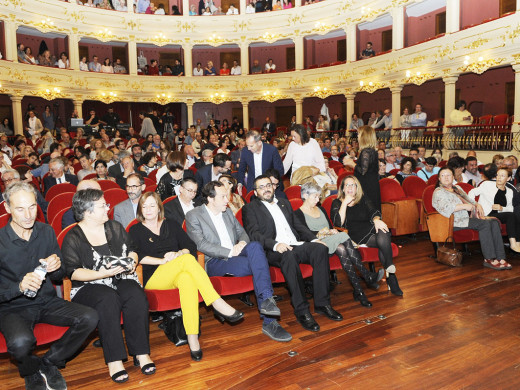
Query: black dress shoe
point(329, 312)
point(375, 277)
point(308, 322)
point(362, 298)
point(196, 355)
point(236, 316)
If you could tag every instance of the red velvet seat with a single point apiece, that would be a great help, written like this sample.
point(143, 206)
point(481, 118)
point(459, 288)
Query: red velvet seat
point(44, 334)
point(2, 208)
point(413, 187)
point(327, 203)
point(153, 176)
point(115, 196)
point(399, 211)
point(293, 192)
point(342, 175)
point(249, 196)
point(466, 187)
point(4, 219)
point(296, 203)
point(59, 202)
point(59, 189)
point(432, 181)
point(56, 221)
point(108, 184)
point(169, 199)
point(90, 176)
point(151, 188)
point(149, 182)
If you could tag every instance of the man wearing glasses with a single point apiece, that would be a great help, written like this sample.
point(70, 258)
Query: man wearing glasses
point(288, 243)
point(391, 158)
point(125, 212)
point(177, 208)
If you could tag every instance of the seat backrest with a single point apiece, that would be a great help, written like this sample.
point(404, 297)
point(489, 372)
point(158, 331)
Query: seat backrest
point(293, 192)
point(485, 120)
point(327, 203)
point(169, 199)
point(108, 184)
point(59, 189)
point(2, 208)
point(151, 188)
point(238, 216)
point(333, 164)
point(149, 182)
point(342, 175)
point(63, 233)
point(326, 154)
point(4, 219)
point(153, 176)
point(90, 176)
point(59, 202)
point(427, 197)
point(115, 196)
point(394, 171)
point(132, 223)
point(296, 203)
point(432, 180)
point(414, 186)
point(466, 187)
point(56, 220)
point(391, 190)
point(249, 196)
point(501, 119)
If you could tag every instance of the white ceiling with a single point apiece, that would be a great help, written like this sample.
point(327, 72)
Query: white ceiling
point(382, 21)
point(424, 7)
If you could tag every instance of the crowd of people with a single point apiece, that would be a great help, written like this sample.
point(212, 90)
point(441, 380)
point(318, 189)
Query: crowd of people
point(202, 175)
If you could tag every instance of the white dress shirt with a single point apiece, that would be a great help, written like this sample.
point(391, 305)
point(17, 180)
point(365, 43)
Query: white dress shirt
point(284, 233)
point(187, 207)
point(223, 234)
point(257, 158)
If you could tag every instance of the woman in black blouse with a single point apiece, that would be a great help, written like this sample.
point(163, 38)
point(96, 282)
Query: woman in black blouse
point(171, 181)
point(366, 167)
point(164, 250)
point(354, 211)
point(88, 251)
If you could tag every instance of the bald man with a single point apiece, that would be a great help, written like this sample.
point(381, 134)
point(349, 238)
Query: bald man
point(68, 217)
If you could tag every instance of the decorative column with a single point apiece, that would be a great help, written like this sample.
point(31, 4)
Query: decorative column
point(16, 101)
point(516, 113)
point(130, 6)
point(242, 7)
point(350, 109)
point(11, 53)
point(132, 56)
point(298, 3)
point(245, 113)
point(351, 31)
point(398, 28)
point(74, 51)
point(517, 5)
point(185, 7)
point(78, 106)
point(189, 105)
point(449, 97)
point(188, 59)
point(299, 109)
point(244, 57)
point(453, 16)
point(396, 106)
point(298, 52)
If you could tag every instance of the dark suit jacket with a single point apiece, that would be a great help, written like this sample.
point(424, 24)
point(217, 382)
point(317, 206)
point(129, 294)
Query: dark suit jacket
point(272, 127)
point(337, 124)
point(203, 177)
point(200, 163)
point(261, 227)
point(270, 159)
point(173, 210)
point(115, 170)
point(50, 181)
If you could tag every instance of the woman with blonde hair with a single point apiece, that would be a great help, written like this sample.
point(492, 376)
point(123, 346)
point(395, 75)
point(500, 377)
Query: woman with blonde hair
point(164, 251)
point(235, 201)
point(366, 167)
point(353, 210)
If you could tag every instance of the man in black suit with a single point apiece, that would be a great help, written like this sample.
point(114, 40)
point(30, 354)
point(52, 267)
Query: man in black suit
point(57, 175)
point(269, 126)
point(117, 169)
point(211, 172)
point(336, 124)
point(289, 243)
point(206, 159)
point(177, 208)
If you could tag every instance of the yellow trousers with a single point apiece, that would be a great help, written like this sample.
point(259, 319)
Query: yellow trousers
point(186, 274)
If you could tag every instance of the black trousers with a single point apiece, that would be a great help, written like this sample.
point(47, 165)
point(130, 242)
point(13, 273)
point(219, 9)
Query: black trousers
point(512, 221)
point(383, 242)
point(17, 327)
point(129, 299)
point(317, 255)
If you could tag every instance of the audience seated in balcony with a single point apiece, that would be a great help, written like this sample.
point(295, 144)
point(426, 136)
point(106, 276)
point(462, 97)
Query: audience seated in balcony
point(198, 70)
point(94, 65)
point(232, 10)
point(236, 69)
point(29, 58)
point(153, 69)
point(207, 12)
point(210, 70)
point(118, 67)
point(250, 8)
point(418, 119)
point(193, 10)
point(277, 6)
point(142, 6)
point(107, 66)
point(21, 53)
point(46, 59)
point(104, 5)
point(63, 62)
point(160, 10)
point(225, 71)
point(367, 52)
point(460, 116)
point(178, 69)
point(256, 68)
point(270, 66)
point(120, 5)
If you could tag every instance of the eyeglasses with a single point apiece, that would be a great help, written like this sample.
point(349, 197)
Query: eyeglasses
point(104, 205)
point(133, 187)
point(350, 185)
point(191, 191)
point(265, 187)
point(8, 180)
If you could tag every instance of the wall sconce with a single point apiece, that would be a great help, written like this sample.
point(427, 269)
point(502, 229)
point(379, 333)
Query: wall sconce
point(104, 35)
point(108, 98)
point(217, 98)
point(321, 27)
point(418, 78)
point(479, 66)
point(163, 99)
point(50, 94)
point(270, 37)
point(160, 40)
point(45, 25)
point(323, 93)
point(370, 87)
point(215, 40)
point(272, 96)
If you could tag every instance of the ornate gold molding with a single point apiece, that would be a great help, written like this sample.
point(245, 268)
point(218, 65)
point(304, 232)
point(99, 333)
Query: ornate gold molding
point(480, 67)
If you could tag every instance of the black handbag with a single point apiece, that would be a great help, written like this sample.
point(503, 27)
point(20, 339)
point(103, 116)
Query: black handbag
point(174, 328)
point(449, 256)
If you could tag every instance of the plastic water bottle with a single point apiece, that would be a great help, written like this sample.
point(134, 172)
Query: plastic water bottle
point(41, 271)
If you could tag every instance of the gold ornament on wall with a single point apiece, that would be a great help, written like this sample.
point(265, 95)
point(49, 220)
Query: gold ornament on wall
point(104, 35)
point(163, 99)
point(323, 93)
point(216, 98)
point(479, 66)
point(272, 96)
point(370, 87)
point(2, 90)
point(160, 40)
point(50, 94)
point(418, 78)
point(108, 97)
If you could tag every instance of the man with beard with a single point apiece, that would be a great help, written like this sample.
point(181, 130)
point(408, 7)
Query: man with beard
point(126, 211)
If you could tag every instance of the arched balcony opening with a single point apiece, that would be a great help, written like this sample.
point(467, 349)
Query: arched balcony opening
point(377, 32)
point(116, 53)
point(282, 53)
point(166, 57)
point(42, 49)
point(424, 21)
point(222, 59)
point(325, 50)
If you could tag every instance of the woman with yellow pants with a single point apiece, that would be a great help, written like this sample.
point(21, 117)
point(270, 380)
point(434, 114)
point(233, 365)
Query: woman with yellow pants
point(164, 251)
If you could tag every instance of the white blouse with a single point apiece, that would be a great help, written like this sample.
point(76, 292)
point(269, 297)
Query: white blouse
point(308, 155)
point(487, 191)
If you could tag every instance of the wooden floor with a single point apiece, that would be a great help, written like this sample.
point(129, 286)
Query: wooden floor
point(455, 328)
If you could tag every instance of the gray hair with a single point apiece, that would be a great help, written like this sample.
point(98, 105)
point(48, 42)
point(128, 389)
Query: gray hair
point(123, 154)
point(17, 187)
point(83, 201)
point(309, 188)
point(255, 134)
point(389, 151)
point(207, 152)
point(58, 161)
point(15, 173)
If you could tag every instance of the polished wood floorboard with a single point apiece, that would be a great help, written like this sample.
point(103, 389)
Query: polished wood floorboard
point(455, 328)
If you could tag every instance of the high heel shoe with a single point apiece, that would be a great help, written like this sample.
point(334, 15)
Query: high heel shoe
point(235, 317)
point(196, 355)
point(373, 281)
point(391, 281)
point(146, 367)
